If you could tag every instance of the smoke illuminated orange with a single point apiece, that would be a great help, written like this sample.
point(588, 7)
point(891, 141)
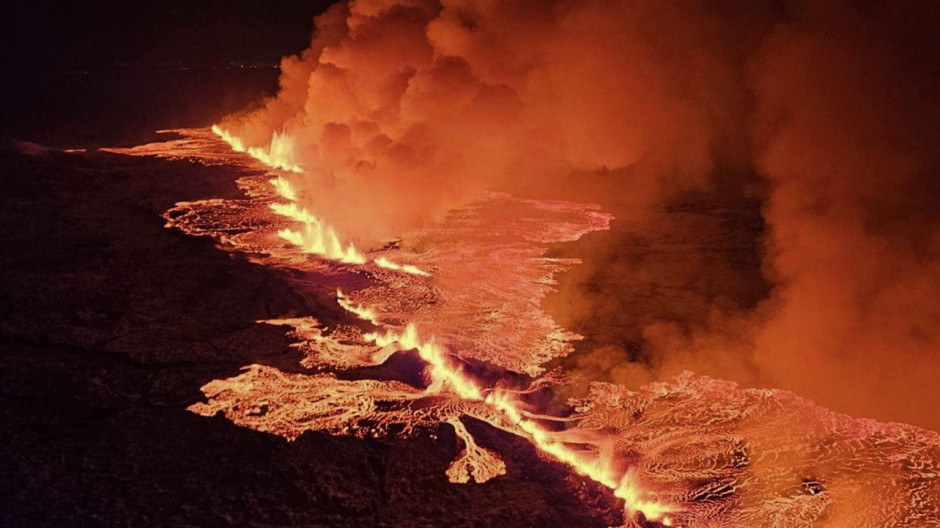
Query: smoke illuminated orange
point(320, 239)
point(278, 155)
point(315, 237)
point(447, 377)
point(695, 452)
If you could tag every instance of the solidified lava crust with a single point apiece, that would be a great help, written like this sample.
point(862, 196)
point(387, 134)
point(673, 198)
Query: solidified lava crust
point(690, 452)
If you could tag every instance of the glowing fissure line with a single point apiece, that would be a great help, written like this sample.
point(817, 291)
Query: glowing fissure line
point(232, 141)
point(383, 262)
point(283, 188)
point(361, 311)
point(446, 376)
point(321, 239)
point(317, 237)
point(277, 156)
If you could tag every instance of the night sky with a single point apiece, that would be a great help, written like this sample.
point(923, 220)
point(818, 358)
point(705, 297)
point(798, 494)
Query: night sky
point(108, 72)
point(40, 35)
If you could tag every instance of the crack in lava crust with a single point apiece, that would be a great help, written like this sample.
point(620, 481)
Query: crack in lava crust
point(695, 453)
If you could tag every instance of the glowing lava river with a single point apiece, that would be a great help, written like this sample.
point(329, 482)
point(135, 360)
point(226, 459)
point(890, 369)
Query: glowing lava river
point(459, 303)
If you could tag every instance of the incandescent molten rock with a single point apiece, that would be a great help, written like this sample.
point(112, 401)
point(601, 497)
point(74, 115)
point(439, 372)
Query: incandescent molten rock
point(696, 452)
point(746, 457)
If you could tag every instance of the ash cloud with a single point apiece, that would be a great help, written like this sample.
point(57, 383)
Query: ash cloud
point(822, 115)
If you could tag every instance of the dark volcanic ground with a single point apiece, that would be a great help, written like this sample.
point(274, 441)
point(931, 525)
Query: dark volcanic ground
point(110, 323)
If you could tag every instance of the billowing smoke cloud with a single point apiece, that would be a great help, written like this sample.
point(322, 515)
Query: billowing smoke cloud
point(823, 114)
point(843, 127)
point(402, 108)
point(849, 123)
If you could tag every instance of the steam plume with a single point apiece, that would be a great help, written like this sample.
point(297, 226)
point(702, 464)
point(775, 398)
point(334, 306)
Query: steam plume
point(824, 112)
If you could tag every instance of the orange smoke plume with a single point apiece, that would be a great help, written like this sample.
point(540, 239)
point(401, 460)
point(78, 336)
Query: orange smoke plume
point(821, 112)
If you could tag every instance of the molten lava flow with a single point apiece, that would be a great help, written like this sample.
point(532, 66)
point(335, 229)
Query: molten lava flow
point(474, 462)
point(233, 141)
point(277, 156)
point(316, 236)
point(482, 301)
point(445, 376)
point(696, 452)
point(383, 262)
point(339, 349)
point(283, 188)
point(362, 312)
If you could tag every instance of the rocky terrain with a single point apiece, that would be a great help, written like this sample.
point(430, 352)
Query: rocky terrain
point(111, 324)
